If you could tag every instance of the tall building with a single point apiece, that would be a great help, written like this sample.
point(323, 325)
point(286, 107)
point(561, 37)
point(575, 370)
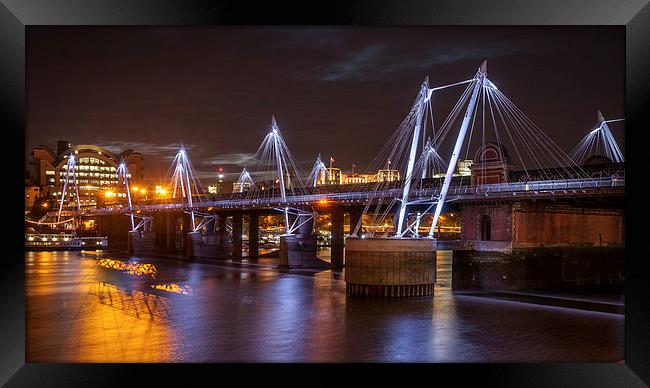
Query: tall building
point(95, 170)
point(218, 187)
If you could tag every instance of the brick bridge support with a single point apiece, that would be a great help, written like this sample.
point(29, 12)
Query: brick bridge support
point(543, 244)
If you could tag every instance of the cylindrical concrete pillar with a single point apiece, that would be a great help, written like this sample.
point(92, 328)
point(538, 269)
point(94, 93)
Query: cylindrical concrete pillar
point(385, 267)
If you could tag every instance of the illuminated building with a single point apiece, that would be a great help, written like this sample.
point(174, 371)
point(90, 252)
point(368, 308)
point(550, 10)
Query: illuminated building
point(333, 176)
point(464, 167)
point(387, 175)
point(355, 178)
point(95, 170)
point(217, 188)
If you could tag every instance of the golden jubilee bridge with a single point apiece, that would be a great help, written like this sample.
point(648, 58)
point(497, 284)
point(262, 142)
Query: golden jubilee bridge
point(521, 183)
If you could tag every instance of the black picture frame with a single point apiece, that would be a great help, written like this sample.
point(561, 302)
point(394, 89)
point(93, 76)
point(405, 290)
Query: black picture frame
point(17, 15)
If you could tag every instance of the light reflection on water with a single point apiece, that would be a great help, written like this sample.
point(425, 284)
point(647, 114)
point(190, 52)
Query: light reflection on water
point(102, 309)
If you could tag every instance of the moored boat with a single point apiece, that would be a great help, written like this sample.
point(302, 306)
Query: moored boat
point(63, 241)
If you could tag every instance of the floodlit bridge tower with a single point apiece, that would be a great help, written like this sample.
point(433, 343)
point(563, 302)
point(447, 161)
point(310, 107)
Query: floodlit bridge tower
point(277, 165)
point(280, 178)
point(69, 172)
point(497, 113)
point(480, 78)
point(140, 237)
point(245, 182)
point(317, 172)
point(123, 175)
point(599, 141)
point(186, 184)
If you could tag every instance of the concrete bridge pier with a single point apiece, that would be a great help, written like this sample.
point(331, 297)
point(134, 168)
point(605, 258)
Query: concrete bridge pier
point(355, 217)
point(187, 230)
point(299, 250)
point(134, 242)
point(147, 236)
point(140, 241)
point(338, 239)
point(195, 246)
point(253, 236)
point(237, 230)
point(114, 226)
point(224, 247)
point(211, 240)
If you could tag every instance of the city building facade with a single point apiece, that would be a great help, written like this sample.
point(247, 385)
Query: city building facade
point(95, 171)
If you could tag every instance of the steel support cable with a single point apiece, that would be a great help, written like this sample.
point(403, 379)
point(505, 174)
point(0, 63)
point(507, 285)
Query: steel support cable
point(496, 132)
point(552, 144)
point(501, 109)
point(553, 159)
point(521, 130)
point(490, 99)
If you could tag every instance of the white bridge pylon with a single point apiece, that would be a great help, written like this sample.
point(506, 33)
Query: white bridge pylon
point(479, 79)
point(277, 166)
point(317, 171)
point(599, 139)
point(186, 184)
point(422, 104)
point(124, 176)
point(496, 120)
point(245, 181)
point(69, 171)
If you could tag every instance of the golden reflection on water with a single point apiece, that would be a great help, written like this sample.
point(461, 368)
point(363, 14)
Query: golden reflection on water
point(173, 287)
point(111, 323)
point(130, 267)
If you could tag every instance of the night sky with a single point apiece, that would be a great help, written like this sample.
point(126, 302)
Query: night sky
point(340, 91)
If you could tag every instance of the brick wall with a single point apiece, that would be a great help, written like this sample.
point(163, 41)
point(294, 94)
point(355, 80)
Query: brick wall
point(500, 221)
point(553, 225)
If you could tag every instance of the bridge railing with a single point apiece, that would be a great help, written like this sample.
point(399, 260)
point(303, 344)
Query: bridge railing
point(515, 188)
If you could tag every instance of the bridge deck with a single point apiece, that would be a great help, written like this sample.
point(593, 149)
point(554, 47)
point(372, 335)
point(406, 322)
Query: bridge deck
point(501, 191)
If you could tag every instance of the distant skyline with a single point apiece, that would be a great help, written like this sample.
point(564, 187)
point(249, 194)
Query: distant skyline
point(338, 91)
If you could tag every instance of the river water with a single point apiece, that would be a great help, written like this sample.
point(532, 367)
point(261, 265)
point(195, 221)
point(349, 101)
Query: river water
point(91, 306)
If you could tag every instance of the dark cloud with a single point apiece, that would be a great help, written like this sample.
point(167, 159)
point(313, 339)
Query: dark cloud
point(230, 159)
point(377, 60)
